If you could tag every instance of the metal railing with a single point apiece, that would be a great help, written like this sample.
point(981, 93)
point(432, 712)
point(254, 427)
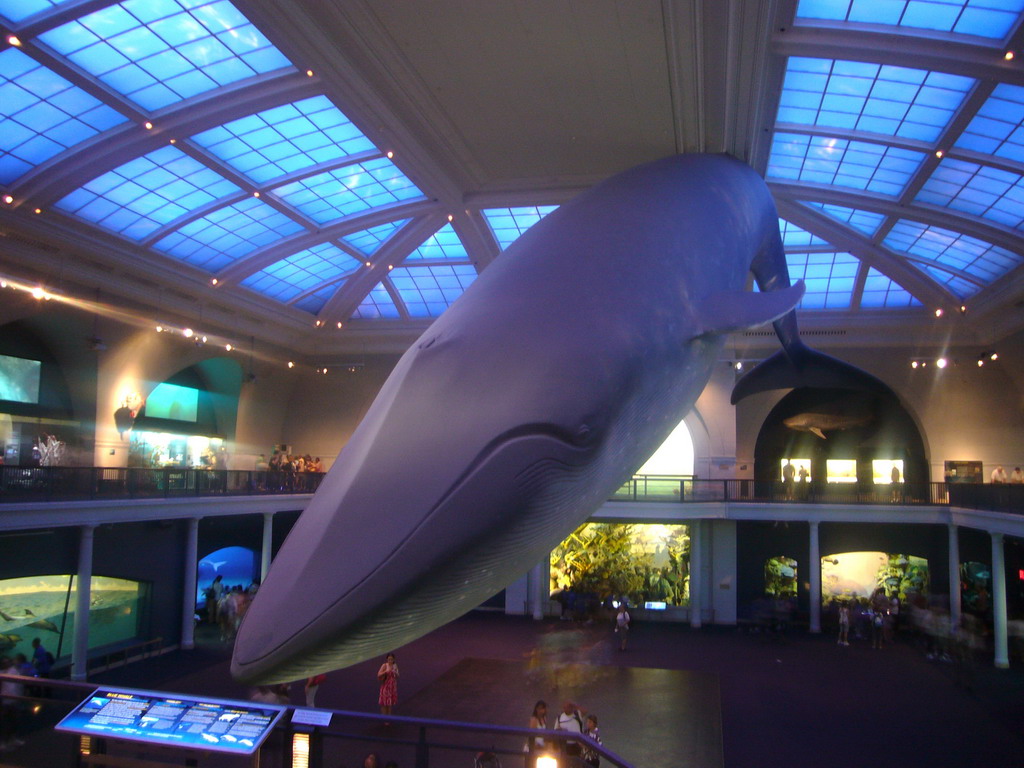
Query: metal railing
point(681, 489)
point(28, 484)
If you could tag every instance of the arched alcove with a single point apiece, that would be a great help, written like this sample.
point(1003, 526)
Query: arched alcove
point(834, 424)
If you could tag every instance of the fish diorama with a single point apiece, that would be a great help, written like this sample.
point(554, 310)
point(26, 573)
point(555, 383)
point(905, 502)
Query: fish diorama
point(524, 406)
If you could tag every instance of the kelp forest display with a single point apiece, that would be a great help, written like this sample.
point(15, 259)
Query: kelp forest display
point(610, 561)
point(856, 575)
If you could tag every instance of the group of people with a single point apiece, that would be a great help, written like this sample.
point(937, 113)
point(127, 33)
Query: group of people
point(571, 720)
point(791, 473)
point(999, 475)
point(879, 619)
point(226, 605)
point(12, 705)
point(287, 472)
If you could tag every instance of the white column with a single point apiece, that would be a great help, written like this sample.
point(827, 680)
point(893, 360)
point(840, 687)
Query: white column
point(540, 577)
point(954, 575)
point(268, 543)
point(83, 597)
point(696, 573)
point(188, 601)
point(999, 602)
point(814, 572)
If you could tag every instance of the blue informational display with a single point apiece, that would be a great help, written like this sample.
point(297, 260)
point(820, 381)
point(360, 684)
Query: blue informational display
point(238, 727)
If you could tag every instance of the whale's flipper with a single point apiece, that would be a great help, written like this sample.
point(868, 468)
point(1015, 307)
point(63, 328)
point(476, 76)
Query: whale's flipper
point(728, 311)
point(799, 366)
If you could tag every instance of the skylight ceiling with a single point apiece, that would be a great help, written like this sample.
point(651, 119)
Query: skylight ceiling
point(919, 165)
point(222, 143)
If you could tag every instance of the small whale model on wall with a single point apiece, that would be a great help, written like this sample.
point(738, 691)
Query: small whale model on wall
point(522, 408)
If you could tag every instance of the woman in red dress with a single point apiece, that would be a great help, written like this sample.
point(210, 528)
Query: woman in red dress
point(388, 677)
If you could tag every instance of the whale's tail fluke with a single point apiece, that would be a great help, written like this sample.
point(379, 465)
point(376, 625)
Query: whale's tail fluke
point(797, 365)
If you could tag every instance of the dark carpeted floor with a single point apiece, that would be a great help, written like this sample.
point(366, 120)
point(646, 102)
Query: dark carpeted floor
point(677, 697)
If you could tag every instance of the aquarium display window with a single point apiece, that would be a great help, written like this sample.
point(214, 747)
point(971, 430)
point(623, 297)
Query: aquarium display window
point(841, 471)
point(167, 449)
point(780, 577)
point(601, 562)
point(44, 607)
point(856, 575)
point(887, 471)
point(799, 464)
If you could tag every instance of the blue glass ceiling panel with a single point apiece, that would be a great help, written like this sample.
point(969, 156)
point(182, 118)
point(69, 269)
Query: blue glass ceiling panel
point(314, 302)
point(882, 99)
point(226, 235)
point(147, 193)
point(443, 245)
point(285, 139)
point(881, 292)
point(369, 240)
point(302, 272)
point(19, 10)
point(795, 237)
point(427, 291)
point(977, 258)
point(838, 162)
point(865, 222)
point(42, 114)
point(829, 277)
point(159, 52)
point(990, 193)
point(993, 19)
point(996, 129)
point(348, 191)
point(507, 224)
point(955, 284)
point(377, 305)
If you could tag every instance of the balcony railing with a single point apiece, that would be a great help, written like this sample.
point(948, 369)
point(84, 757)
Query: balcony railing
point(28, 484)
point(1003, 498)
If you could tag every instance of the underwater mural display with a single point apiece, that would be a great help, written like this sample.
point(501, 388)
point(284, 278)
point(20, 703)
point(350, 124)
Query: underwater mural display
point(44, 607)
point(642, 563)
point(237, 566)
point(856, 575)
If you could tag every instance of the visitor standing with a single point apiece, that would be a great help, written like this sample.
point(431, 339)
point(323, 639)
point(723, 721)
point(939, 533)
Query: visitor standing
point(387, 676)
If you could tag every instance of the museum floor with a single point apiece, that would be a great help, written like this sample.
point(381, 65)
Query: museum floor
point(676, 697)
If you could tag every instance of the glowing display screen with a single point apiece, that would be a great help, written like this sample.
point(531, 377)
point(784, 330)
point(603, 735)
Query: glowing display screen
point(169, 401)
point(238, 727)
point(19, 379)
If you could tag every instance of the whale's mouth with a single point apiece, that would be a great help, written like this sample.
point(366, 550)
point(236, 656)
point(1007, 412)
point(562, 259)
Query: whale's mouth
point(503, 508)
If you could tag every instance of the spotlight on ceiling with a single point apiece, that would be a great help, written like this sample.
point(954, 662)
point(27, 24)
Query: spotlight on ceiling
point(941, 362)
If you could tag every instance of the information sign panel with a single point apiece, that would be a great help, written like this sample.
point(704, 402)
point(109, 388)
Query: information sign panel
point(222, 725)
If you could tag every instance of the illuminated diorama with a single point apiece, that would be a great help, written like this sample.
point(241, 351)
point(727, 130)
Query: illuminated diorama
point(976, 587)
point(780, 577)
point(641, 563)
point(45, 606)
point(167, 449)
point(840, 471)
point(856, 575)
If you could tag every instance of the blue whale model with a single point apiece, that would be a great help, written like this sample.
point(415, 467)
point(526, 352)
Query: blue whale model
point(521, 410)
